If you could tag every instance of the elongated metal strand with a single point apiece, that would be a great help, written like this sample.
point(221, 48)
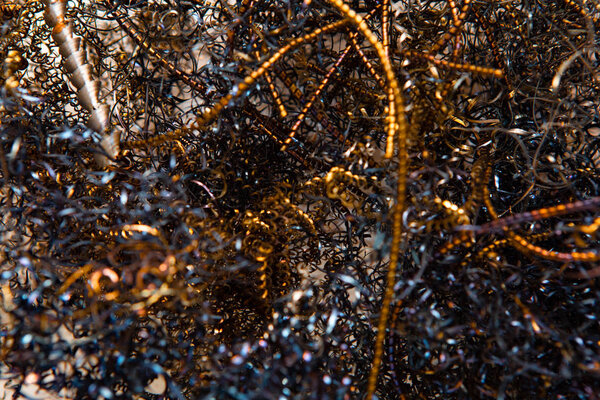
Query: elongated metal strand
point(80, 76)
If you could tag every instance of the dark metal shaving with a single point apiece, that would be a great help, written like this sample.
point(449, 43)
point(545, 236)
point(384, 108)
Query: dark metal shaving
point(233, 241)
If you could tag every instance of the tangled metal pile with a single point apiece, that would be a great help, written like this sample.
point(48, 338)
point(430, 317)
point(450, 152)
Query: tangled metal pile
point(300, 199)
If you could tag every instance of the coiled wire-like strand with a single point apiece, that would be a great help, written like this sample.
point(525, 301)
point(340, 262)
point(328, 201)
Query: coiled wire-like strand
point(80, 75)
